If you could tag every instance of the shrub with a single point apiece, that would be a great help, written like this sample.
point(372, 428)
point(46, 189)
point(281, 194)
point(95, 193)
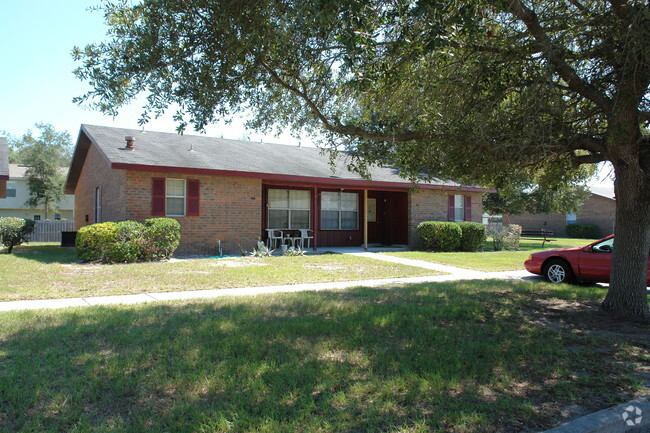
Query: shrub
point(129, 246)
point(583, 231)
point(128, 241)
point(440, 236)
point(472, 236)
point(15, 231)
point(505, 236)
point(95, 242)
point(161, 238)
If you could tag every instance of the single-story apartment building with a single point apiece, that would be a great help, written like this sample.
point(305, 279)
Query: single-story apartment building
point(231, 191)
point(599, 209)
point(4, 167)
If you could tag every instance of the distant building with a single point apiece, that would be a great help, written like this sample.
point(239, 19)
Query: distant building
point(598, 209)
point(17, 193)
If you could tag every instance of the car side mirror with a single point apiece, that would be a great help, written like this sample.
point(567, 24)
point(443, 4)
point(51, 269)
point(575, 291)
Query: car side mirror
point(587, 249)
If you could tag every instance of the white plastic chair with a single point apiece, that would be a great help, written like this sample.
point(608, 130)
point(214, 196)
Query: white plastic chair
point(272, 239)
point(304, 236)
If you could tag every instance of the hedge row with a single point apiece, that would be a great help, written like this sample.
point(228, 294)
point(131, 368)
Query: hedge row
point(15, 231)
point(450, 236)
point(128, 241)
point(583, 231)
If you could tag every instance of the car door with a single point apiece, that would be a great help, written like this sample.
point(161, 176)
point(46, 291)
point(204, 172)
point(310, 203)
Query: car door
point(595, 262)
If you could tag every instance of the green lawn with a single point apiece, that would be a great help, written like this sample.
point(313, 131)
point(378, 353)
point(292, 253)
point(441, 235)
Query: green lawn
point(47, 271)
point(463, 357)
point(492, 261)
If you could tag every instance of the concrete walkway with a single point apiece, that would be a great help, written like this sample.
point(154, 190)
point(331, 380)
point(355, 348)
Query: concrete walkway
point(452, 274)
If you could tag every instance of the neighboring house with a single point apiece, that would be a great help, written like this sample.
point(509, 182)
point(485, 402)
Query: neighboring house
point(4, 167)
point(599, 209)
point(18, 193)
point(230, 191)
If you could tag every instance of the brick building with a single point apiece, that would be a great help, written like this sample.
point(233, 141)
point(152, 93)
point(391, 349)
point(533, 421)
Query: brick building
point(598, 209)
point(231, 191)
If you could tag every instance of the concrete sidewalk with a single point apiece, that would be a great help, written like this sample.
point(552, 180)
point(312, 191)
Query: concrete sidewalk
point(452, 274)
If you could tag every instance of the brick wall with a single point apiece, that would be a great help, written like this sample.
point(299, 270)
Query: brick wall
point(595, 210)
point(230, 211)
point(97, 172)
point(600, 211)
point(431, 205)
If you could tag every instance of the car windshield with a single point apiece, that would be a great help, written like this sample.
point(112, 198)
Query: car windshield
point(605, 246)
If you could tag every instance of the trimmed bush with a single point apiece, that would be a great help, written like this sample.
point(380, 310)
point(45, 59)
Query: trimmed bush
point(95, 242)
point(472, 236)
point(128, 241)
point(162, 236)
point(440, 236)
point(583, 231)
point(15, 231)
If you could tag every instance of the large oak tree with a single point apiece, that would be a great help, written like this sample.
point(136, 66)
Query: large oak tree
point(499, 93)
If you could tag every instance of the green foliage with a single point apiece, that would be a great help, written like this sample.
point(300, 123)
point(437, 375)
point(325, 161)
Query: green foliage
point(472, 236)
point(440, 236)
point(526, 197)
point(95, 242)
point(583, 231)
point(262, 250)
point(128, 241)
point(15, 231)
point(293, 252)
point(46, 156)
point(162, 237)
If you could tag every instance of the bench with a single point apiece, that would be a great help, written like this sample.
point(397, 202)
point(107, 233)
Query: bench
point(542, 235)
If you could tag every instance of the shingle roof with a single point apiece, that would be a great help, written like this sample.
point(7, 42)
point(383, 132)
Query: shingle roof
point(4, 159)
point(17, 171)
point(238, 157)
point(603, 191)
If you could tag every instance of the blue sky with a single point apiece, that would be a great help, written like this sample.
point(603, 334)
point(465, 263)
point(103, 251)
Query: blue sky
point(37, 84)
point(36, 80)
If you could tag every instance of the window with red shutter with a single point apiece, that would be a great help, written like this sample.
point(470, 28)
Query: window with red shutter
point(193, 197)
point(468, 208)
point(158, 197)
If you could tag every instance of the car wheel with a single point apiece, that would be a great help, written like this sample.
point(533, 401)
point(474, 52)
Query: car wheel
point(558, 271)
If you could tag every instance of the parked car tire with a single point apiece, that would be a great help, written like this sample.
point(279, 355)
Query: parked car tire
point(558, 271)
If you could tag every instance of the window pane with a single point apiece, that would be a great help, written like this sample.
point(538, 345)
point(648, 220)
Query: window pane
point(349, 201)
point(299, 199)
point(299, 219)
point(459, 201)
point(11, 189)
point(459, 214)
point(329, 220)
point(176, 187)
point(279, 198)
point(329, 200)
point(348, 220)
point(175, 206)
point(278, 219)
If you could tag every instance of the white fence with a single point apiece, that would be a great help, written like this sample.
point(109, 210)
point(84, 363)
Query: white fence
point(50, 231)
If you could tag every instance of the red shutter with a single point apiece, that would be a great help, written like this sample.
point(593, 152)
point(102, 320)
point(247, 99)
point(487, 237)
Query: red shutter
point(158, 197)
point(468, 208)
point(193, 193)
point(450, 208)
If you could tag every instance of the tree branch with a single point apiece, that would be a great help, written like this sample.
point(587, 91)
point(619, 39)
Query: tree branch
point(592, 158)
point(556, 56)
point(335, 126)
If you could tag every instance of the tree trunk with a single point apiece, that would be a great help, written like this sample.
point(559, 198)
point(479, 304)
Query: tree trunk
point(627, 295)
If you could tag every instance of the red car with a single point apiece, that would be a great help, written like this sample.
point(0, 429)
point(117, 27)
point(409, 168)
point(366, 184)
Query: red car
point(566, 265)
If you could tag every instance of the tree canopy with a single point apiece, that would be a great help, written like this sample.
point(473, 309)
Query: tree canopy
point(497, 93)
point(46, 156)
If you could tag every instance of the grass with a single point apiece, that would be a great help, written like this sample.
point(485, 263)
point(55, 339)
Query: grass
point(47, 271)
point(462, 357)
point(492, 261)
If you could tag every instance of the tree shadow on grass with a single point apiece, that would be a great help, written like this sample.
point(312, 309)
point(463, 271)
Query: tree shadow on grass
point(45, 253)
point(422, 358)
